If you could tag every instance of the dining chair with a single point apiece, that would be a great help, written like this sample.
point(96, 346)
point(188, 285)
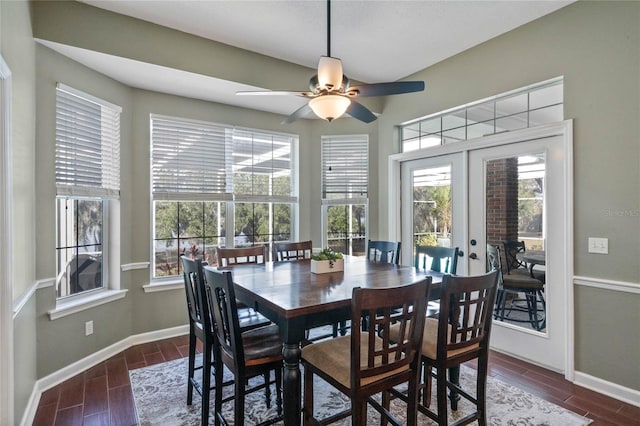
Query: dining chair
point(522, 293)
point(516, 266)
point(383, 251)
point(461, 333)
point(201, 329)
point(364, 364)
point(247, 354)
point(436, 258)
point(230, 257)
point(284, 251)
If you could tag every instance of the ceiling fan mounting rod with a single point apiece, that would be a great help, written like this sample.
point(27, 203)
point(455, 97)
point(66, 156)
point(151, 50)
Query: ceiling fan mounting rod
point(329, 28)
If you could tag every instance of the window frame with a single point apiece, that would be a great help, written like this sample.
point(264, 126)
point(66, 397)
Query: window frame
point(102, 184)
point(337, 146)
point(229, 198)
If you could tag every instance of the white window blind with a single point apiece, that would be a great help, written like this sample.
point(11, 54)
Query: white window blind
point(193, 160)
point(189, 160)
point(87, 145)
point(262, 167)
point(345, 168)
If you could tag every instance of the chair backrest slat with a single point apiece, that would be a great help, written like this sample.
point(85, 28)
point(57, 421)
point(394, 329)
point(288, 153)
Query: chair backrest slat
point(291, 251)
point(405, 307)
point(229, 257)
point(383, 251)
point(468, 303)
point(437, 258)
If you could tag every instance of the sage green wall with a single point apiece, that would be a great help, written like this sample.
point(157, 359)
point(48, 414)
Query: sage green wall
point(593, 44)
point(596, 47)
point(18, 50)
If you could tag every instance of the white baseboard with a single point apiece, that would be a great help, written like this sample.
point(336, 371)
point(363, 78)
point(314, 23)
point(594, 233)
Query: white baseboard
point(628, 395)
point(72, 370)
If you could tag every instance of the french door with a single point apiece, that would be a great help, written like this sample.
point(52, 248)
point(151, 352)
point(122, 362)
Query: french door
point(532, 205)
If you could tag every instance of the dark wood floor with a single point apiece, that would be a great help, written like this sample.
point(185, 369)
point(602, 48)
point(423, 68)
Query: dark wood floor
point(102, 395)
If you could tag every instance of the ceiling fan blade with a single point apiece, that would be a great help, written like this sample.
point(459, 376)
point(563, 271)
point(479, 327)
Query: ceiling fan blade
point(329, 73)
point(359, 111)
point(275, 93)
point(299, 113)
point(384, 89)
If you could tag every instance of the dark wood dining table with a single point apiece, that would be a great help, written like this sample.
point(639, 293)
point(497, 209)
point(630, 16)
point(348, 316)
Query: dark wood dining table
point(296, 299)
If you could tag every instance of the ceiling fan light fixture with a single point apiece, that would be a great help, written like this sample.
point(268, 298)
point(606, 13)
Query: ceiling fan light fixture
point(329, 107)
point(329, 73)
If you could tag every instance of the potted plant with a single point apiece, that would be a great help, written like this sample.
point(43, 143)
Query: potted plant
point(327, 261)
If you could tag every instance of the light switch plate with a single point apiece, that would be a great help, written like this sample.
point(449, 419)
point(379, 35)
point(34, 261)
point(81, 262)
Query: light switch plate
point(599, 245)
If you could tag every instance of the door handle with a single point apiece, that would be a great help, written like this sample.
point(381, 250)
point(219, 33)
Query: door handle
point(473, 256)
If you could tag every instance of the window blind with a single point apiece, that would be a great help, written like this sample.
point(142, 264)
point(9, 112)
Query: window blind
point(262, 166)
point(345, 167)
point(189, 160)
point(87, 145)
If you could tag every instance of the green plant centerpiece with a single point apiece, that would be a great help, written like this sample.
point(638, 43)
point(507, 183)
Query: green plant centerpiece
point(327, 261)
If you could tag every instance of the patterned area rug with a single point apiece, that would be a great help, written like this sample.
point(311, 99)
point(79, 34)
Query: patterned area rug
point(160, 394)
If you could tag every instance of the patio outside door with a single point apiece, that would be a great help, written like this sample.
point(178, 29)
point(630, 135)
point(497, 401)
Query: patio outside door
point(540, 215)
point(516, 193)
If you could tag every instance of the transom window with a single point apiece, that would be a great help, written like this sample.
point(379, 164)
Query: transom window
point(210, 181)
point(519, 109)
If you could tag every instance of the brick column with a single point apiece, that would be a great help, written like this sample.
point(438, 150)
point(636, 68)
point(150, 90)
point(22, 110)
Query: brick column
point(502, 200)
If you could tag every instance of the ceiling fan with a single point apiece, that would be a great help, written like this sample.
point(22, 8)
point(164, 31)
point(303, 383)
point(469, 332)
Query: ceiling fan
point(330, 94)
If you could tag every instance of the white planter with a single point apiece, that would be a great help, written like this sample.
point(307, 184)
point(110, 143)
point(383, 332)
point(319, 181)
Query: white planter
point(324, 266)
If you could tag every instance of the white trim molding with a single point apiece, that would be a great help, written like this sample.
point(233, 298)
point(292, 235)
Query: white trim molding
point(6, 248)
point(606, 284)
point(134, 266)
point(75, 305)
point(628, 395)
point(84, 364)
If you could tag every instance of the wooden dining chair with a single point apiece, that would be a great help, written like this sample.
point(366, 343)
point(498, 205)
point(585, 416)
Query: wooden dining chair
point(384, 251)
point(364, 364)
point(460, 334)
point(284, 251)
point(436, 258)
point(247, 354)
point(230, 257)
point(201, 329)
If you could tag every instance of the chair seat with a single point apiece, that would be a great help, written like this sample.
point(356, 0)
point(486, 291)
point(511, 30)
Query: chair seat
point(333, 357)
point(521, 281)
point(262, 344)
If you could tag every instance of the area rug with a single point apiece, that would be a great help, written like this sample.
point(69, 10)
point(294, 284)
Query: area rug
point(160, 393)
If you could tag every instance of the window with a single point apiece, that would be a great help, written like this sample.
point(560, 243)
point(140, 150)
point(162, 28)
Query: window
point(210, 181)
point(345, 182)
point(87, 188)
point(519, 109)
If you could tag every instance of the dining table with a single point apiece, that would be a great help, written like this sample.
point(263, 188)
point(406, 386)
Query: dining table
point(296, 299)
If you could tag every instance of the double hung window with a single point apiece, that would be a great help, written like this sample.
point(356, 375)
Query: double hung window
point(211, 181)
point(345, 181)
point(87, 164)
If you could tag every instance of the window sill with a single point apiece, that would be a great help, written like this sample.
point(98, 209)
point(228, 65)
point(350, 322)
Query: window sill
point(173, 284)
point(70, 307)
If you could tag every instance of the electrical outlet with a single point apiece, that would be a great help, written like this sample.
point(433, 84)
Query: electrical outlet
point(88, 328)
point(599, 245)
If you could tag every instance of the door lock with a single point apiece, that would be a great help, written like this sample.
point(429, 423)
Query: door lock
point(473, 256)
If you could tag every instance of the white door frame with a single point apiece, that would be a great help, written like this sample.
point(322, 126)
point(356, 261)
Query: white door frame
point(6, 250)
point(563, 129)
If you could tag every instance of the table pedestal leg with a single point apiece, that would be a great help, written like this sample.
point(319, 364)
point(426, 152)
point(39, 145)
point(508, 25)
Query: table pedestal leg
point(292, 384)
point(454, 377)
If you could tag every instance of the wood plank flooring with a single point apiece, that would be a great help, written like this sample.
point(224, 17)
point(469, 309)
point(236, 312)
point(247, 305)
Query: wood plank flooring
point(102, 395)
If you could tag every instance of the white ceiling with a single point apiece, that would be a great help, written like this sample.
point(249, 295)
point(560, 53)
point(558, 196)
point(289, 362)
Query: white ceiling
point(378, 41)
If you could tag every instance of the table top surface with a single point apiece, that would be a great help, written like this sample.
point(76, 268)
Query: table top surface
point(291, 289)
point(532, 256)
